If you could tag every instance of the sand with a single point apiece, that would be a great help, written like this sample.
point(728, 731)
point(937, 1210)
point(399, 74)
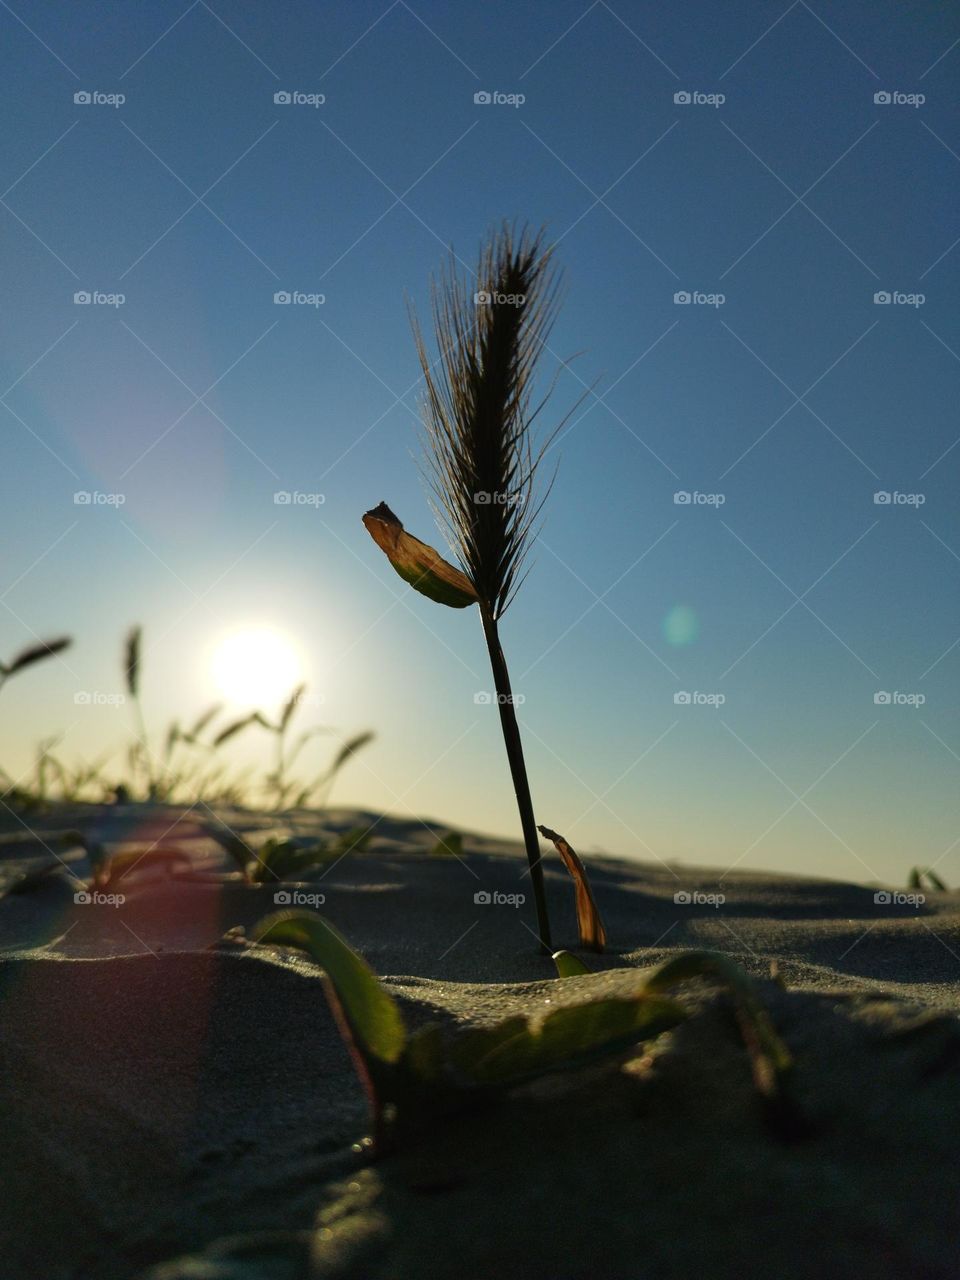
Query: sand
point(177, 1107)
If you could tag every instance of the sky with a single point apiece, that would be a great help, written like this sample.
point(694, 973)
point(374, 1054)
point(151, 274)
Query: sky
point(755, 209)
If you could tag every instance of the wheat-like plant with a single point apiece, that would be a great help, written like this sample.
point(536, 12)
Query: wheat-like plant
point(478, 412)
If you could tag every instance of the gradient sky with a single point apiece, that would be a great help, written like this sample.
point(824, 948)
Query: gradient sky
point(798, 599)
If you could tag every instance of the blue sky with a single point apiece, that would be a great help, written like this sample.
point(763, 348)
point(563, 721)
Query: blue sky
point(796, 198)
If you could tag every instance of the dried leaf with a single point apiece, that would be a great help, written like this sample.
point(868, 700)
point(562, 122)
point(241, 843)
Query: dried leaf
point(418, 564)
point(592, 933)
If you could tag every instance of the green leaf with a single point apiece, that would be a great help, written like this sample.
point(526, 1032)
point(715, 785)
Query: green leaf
point(417, 563)
point(569, 965)
point(371, 1013)
point(579, 1033)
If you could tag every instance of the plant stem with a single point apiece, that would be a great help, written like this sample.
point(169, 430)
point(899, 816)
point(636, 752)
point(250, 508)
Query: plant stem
point(518, 771)
point(144, 747)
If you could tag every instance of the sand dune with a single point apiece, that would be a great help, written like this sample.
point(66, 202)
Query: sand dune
point(168, 1097)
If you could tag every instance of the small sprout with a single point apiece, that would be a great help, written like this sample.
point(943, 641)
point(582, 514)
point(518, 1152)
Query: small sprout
point(569, 965)
point(277, 859)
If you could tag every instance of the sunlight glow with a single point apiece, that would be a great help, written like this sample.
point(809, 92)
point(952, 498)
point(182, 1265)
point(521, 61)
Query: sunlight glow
point(256, 667)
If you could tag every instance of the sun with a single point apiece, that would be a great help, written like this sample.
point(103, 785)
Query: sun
point(256, 667)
